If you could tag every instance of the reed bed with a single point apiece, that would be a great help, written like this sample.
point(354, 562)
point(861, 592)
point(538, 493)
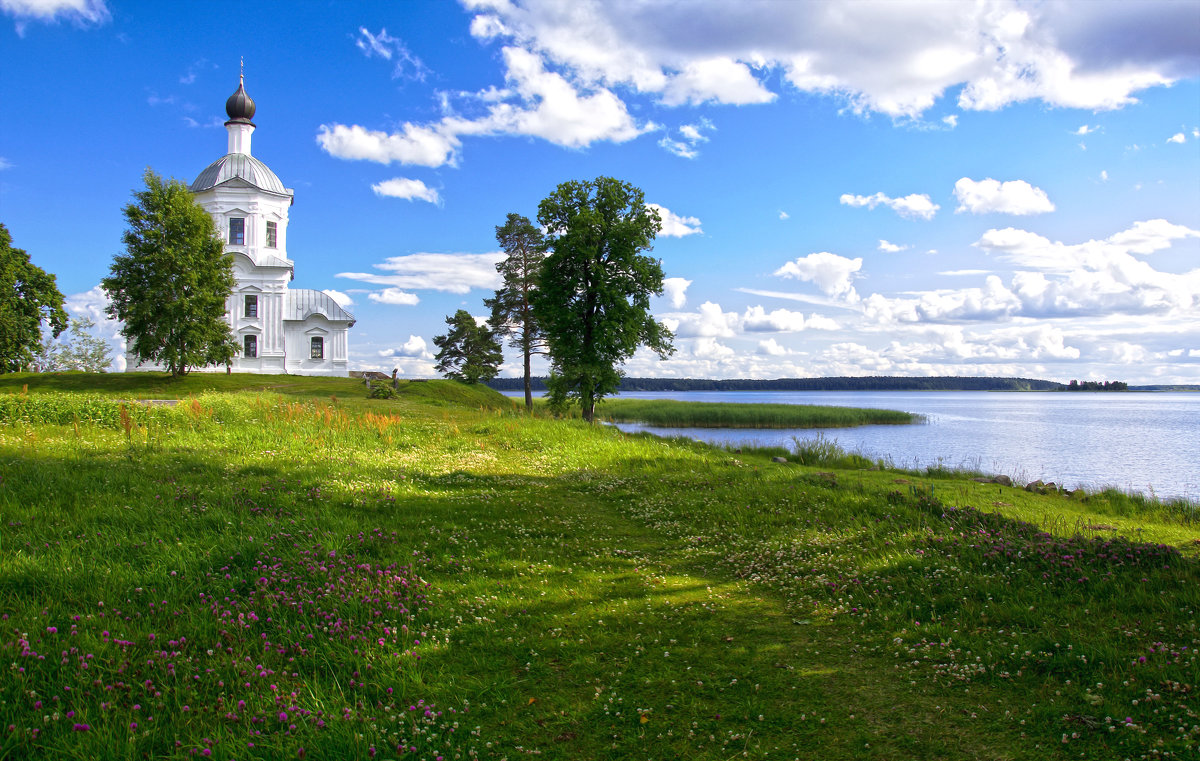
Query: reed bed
point(670, 413)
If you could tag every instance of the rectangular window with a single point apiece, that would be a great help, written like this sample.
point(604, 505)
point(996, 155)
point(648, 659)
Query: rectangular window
point(317, 348)
point(272, 235)
point(252, 306)
point(251, 344)
point(237, 231)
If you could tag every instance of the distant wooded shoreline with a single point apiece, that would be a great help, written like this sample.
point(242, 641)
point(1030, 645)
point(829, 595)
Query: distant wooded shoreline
point(863, 383)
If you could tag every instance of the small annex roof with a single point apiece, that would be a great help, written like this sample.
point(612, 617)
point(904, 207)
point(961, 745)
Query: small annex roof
point(302, 303)
point(239, 166)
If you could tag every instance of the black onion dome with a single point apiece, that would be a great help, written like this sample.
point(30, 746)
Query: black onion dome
point(240, 106)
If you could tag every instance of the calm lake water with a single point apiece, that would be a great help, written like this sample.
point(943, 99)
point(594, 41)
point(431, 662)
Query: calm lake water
point(1144, 442)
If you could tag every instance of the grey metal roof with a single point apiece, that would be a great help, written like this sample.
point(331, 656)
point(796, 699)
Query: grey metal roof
point(303, 302)
point(239, 166)
point(270, 260)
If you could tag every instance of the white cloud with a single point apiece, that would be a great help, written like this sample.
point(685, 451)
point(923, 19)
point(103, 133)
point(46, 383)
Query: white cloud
point(387, 47)
point(5, 164)
point(673, 225)
point(1104, 175)
point(394, 296)
point(1085, 130)
point(757, 320)
point(771, 347)
point(1097, 276)
point(548, 105)
point(78, 12)
point(691, 135)
point(913, 205)
point(897, 58)
point(412, 144)
point(950, 121)
point(831, 273)
point(708, 321)
point(414, 347)
point(719, 79)
point(783, 214)
point(453, 273)
point(991, 196)
point(710, 348)
point(675, 289)
point(891, 248)
point(403, 187)
point(343, 299)
point(1178, 137)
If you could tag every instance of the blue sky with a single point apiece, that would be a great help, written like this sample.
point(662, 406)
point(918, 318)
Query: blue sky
point(1000, 188)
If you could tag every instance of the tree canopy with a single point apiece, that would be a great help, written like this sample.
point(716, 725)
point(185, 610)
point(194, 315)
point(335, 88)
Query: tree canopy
point(512, 308)
point(593, 301)
point(171, 284)
point(469, 352)
point(28, 295)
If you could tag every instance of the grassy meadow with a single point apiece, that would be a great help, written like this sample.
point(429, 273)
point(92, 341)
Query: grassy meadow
point(279, 568)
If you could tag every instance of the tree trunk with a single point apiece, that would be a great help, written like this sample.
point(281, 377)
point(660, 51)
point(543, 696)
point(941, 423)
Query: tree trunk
point(587, 403)
point(528, 386)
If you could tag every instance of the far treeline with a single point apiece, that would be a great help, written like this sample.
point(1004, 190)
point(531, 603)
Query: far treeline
point(865, 383)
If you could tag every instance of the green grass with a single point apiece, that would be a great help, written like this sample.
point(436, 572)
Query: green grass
point(442, 572)
point(670, 413)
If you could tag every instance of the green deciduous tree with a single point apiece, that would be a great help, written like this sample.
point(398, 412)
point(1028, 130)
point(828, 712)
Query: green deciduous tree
point(469, 352)
point(170, 286)
point(512, 309)
point(593, 300)
point(83, 350)
point(28, 295)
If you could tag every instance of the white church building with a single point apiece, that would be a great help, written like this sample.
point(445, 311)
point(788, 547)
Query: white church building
point(278, 329)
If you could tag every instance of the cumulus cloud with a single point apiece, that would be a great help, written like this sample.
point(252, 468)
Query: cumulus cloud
point(991, 196)
point(675, 289)
point(343, 299)
point(452, 273)
point(394, 296)
point(1085, 130)
point(772, 348)
point(830, 272)
point(673, 225)
point(1178, 137)
point(756, 319)
point(1097, 277)
point(897, 58)
point(913, 205)
point(403, 187)
point(709, 321)
point(783, 214)
point(415, 347)
point(891, 248)
point(411, 144)
point(82, 13)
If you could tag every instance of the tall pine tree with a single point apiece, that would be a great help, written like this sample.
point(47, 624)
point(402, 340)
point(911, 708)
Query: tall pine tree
point(512, 308)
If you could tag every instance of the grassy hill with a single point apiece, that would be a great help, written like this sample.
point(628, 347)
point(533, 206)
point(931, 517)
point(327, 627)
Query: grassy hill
point(280, 567)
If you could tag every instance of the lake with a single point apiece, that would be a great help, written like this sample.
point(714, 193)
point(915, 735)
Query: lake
point(1143, 442)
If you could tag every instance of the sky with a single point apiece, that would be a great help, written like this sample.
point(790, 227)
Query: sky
point(996, 188)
